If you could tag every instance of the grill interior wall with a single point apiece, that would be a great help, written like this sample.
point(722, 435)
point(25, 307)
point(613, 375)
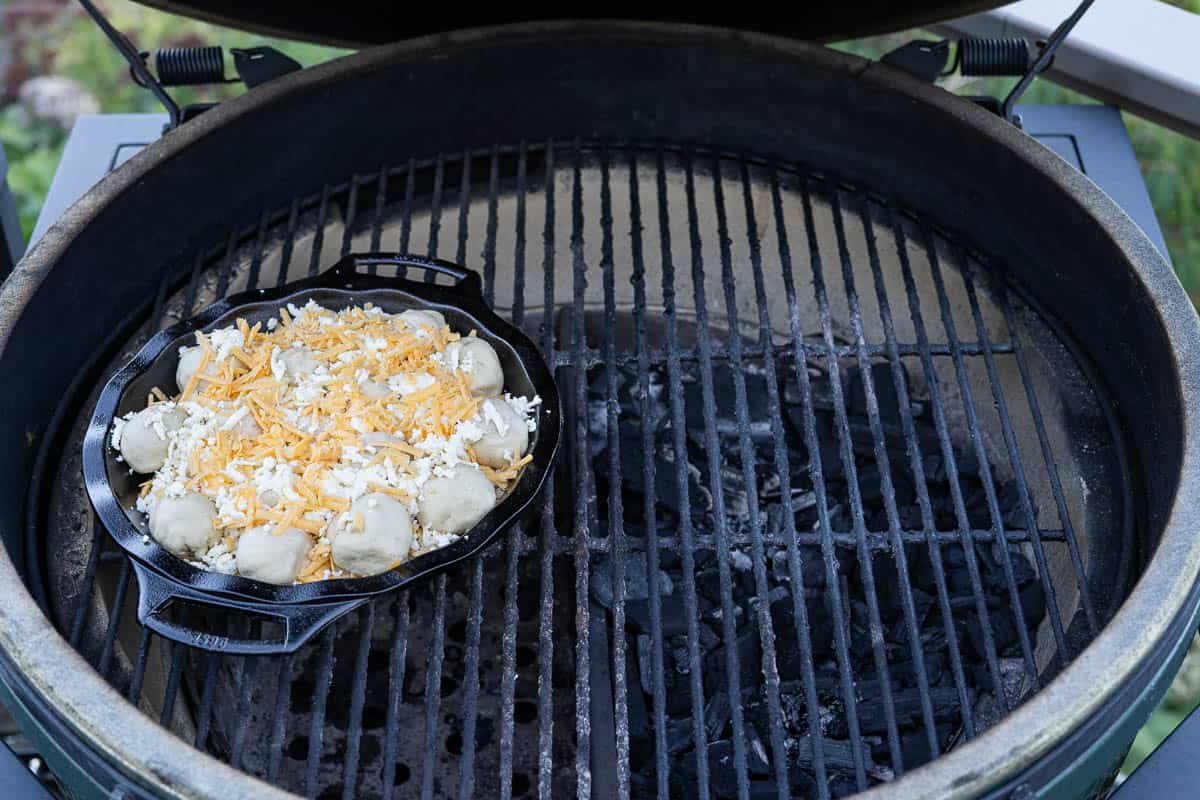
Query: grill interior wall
point(345, 722)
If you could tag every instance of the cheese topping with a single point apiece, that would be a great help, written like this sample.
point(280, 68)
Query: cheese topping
point(295, 420)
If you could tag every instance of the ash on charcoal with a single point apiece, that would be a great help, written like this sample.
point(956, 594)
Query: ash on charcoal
point(896, 406)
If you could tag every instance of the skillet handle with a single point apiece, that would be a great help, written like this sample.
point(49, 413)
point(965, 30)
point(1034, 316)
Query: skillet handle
point(158, 595)
point(354, 265)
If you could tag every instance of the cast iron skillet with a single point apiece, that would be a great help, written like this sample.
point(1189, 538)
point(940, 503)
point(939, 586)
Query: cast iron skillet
point(169, 584)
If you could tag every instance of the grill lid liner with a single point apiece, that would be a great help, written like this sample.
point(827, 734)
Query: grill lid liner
point(300, 611)
point(358, 23)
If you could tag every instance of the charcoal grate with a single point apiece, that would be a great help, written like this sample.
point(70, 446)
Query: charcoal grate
point(817, 519)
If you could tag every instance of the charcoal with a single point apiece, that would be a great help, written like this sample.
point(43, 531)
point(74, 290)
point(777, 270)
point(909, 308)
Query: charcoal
point(757, 759)
point(640, 733)
point(914, 745)
point(679, 698)
point(884, 387)
point(722, 772)
point(637, 587)
point(763, 789)
point(839, 755)
point(679, 735)
point(894, 640)
point(749, 660)
point(708, 585)
point(716, 715)
point(673, 616)
point(645, 661)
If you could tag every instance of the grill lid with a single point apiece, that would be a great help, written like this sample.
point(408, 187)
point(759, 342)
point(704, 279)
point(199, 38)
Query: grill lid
point(356, 23)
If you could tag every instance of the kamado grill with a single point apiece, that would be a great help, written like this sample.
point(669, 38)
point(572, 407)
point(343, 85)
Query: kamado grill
point(878, 461)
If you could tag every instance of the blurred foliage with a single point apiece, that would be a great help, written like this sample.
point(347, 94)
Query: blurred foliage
point(71, 45)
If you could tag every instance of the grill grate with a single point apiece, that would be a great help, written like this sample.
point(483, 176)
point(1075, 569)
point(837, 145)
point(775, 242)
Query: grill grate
point(673, 283)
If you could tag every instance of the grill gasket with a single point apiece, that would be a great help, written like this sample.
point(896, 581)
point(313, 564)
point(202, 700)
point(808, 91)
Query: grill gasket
point(580, 351)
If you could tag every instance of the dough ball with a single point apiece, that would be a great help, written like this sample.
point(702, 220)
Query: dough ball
point(298, 361)
point(454, 504)
point(384, 538)
point(185, 525)
point(476, 357)
point(423, 318)
point(375, 391)
point(246, 426)
point(263, 556)
point(144, 441)
point(505, 431)
point(189, 362)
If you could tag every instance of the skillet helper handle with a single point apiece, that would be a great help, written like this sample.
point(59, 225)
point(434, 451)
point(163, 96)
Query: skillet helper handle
point(162, 601)
point(355, 266)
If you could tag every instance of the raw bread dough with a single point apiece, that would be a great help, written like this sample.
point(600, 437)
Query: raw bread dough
point(189, 362)
point(185, 525)
point(454, 504)
point(263, 556)
point(477, 358)
point(385, 537)
point(423, 318)
point(144, 441)
point(505, 442)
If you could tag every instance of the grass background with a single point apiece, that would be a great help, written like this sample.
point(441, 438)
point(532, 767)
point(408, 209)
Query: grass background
point(62, 41)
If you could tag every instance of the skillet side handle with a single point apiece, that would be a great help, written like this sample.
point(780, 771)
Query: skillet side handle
point(358, 264)
point(170, 609)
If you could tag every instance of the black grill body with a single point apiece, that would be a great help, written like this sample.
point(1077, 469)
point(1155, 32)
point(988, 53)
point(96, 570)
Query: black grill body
point(720, 250)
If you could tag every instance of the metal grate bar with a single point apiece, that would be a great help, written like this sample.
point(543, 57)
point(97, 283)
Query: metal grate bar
point(289, 241)
point(114, 617)
point(410, 183)
point(435, 209)
point(489, 248)
point(708, 396)
point(674, 373)
point(171, 691)
point(351, 213)
point(508, 679)
point(226, 269)
point(433, 686)
point(783, 467)
point(358, 697)
point(616, 513)
point(856, 506)
point(943, 432)
point(139, 666)
point(583, 685)
point(766, 629)
point(381, 182)
point(1051, 466)
point(247, 668)
point(658, 689)
point(466, 785)
point(518, 311)
point(397, 651)
point(1018, 466)
point(881, 456)
point(464, 208)
point(283, 696)
point(207, 693)
point(816, 473)
point(475, 612)
point(314, 262)
point(546, 611)
point(316, 730)
point(989, 485)
point(260, 239)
